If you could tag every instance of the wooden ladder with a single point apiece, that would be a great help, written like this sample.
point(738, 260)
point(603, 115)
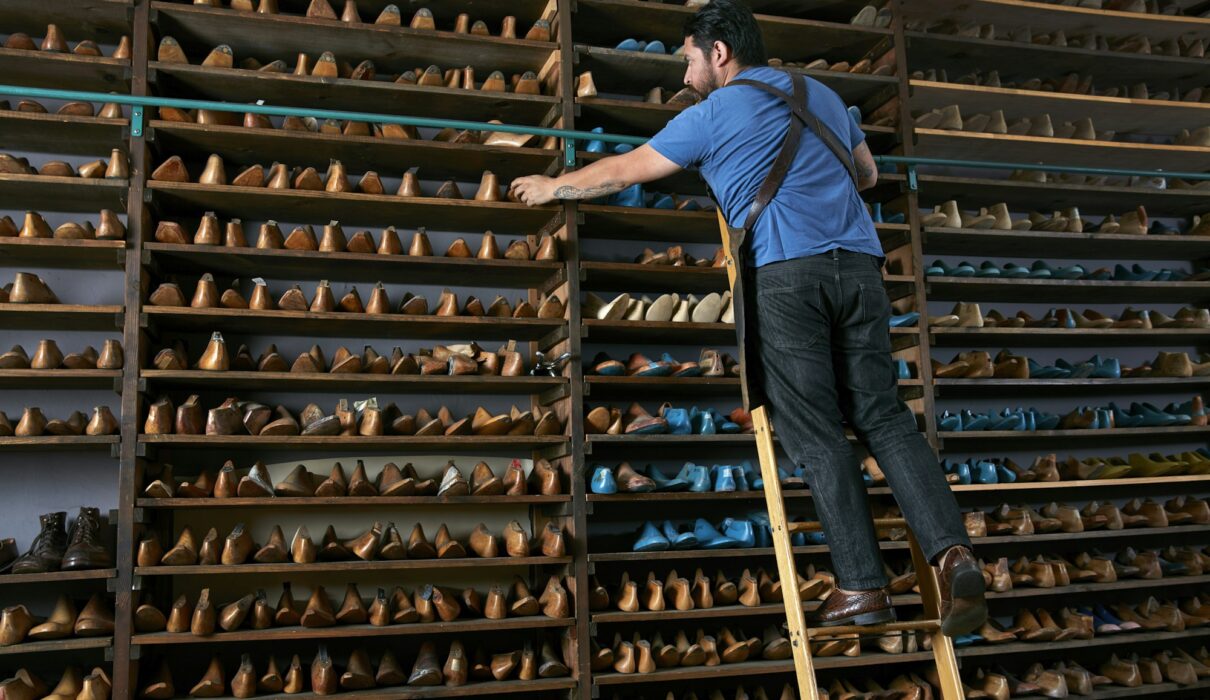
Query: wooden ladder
point(800, 636)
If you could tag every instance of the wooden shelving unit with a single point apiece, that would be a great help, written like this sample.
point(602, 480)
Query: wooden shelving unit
point(596, 527)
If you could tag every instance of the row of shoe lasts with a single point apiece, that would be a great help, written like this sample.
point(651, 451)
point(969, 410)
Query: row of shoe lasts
point(108, 110)
point(636, 197)
point(109, 228)
point(712, 308)
point(432, 603)
point(1154, 7)
point(279, 176)
point(327, 66)
point(55, 42)
point(586, 86)
point(56, 549)
point(1040, 626)
point(95, 619)
point(1137, 465)
point(464, 359)
point(72, 685)
point(1007, 365)
point(997, 217)
point(1067, 678)
point(1041, 269)
point(207, 296)
point(49, 356)
point(1153, 182)
point(1072, 83)
point(34, 423)
point(731, 533)
point(1192, 47)
point(383, 543)
point(694, 478)
point(701, 592)
point(1081, 418)
point(117, 168)
point(950, 118)
point(992, 470)
point(235, 417)
point(606, 420)
point(333, 240)
point(388, 17)
point(646, 656)
point(1053, 517)
point(757, 693)
point(391, 480)
point(677, 257)
point(970, 315)
point(324, 677)
point(1053, 570)
point(710, 363)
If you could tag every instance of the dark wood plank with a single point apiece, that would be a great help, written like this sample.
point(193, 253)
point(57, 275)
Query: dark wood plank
point(61, 316)
point(353, 267)
point(1020, 61)
point(56, 133)
point(393, 49)
point(598, 387)
point(434, 159)
point(103, 21)
point(348, 566)
point(59, 378)
point(288, 634)
point(602, 331)
point(59, 442)
point(533, 688)
point(469, 443)
point(634, 224)
point(354, 209)
point(350, 501)
point(491, 11)
point(1052, 196)
point(1121, 114)
point(394, 384)
point(1040, 438)
point(381, 97)
point(936, 143)
point(1019, 387)
point(1066, 291)
point(1017, 14)
point(330, 324)
point(1062, 337)
point(64, 71)
point(57, 577)
point(57, 646)
point(1062, 245)
point(86, 254)
point(71, 194)
point(652, 278)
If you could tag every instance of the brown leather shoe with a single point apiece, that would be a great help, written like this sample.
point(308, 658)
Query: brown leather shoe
point(963, 609)
point(854, 608)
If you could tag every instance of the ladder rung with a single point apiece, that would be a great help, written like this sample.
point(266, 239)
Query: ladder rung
point(909, 626)
point(816, 526)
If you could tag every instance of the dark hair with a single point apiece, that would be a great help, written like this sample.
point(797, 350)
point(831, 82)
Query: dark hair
point(731, 22)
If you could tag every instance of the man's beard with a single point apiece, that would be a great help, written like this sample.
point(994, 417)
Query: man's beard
point(710, 84)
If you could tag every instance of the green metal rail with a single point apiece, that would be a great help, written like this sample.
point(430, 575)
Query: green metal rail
point(570, 137)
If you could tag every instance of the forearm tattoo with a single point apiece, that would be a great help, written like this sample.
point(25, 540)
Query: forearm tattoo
point(568, 192)
point(865, 171)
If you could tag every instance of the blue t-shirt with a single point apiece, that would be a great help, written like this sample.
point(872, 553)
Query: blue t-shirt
point(733, 138)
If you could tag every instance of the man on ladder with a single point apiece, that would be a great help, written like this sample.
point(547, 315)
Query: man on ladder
point(785, 162)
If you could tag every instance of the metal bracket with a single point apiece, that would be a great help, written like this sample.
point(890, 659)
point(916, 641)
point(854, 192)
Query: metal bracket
point(569, 153)
point(911, 178)
point(136, 120)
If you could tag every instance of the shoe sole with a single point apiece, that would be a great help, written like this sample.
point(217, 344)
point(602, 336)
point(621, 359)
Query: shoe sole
point(966, 585)
point(877, 617)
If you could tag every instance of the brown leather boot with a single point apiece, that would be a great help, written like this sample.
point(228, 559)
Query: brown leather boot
point(47, 550)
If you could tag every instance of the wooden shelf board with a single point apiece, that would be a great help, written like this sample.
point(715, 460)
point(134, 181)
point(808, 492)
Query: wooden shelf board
point(633, 224)
point(290, 381)
point(469, 443)
point(353, 267)
point(355, 209)
point(1090, 246)
point(343, 94)
point(1062, 337)
point(1065, 291)
point(598, 387)
point(348, 566)
point(56, 133)
point(434, 159)
point(336, 324)
point(58, 645)
point(64, 71)
point(1039, 437)
point(72, 194)
point(1101, 199)
point(88, 254)
point(965, 145)
point(652, 278)
point(61, 316)
point(104, 21)
point(1120, 114)
point(603, 331)
point(393, 49)
point(57, 577)
point(997, 387)
point(351, 501)
point(59, 378)
point(59, 442)
point(1013, 14)
point(353, 631)
point(532, 688)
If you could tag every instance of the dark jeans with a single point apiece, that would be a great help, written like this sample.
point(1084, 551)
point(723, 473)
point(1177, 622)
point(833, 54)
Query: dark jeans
point(825, 349)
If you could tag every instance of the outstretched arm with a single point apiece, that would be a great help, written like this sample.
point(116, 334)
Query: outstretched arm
point(604, 177)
